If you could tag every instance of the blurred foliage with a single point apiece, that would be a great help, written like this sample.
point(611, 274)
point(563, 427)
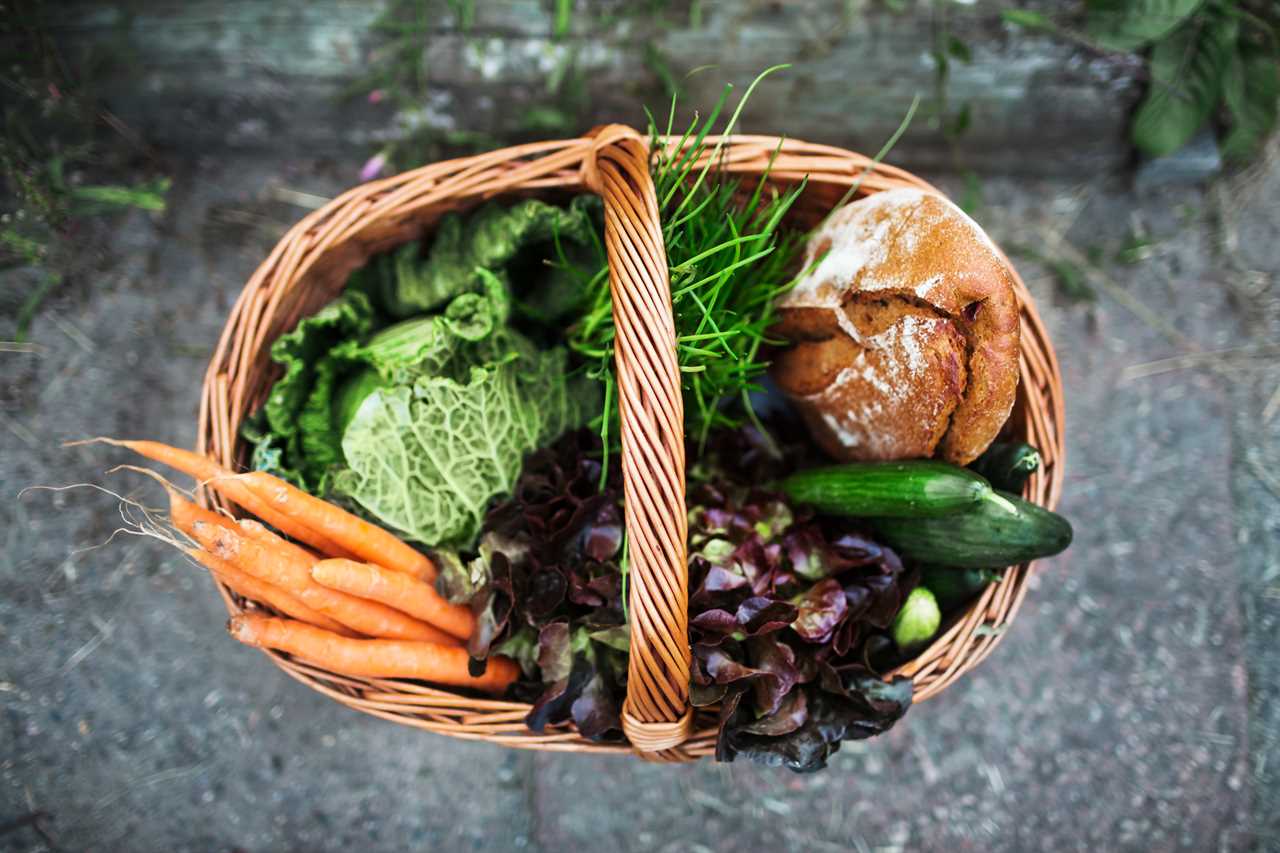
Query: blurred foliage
point(399, 71)
point(1207, 60)
point(63, 159)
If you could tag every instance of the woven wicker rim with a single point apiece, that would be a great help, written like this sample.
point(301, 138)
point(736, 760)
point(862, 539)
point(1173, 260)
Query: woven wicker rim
point(310, 265)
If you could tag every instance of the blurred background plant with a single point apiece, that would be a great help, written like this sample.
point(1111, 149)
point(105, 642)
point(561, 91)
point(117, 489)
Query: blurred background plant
point(1207, 60)
point(399, 73)
point(65, 160)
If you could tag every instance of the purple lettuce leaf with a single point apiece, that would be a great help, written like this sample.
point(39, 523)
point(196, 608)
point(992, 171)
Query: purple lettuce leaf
point(822, 608)
point(776, 661)
point(786, 718)
point(596, 711)
point(555, 658)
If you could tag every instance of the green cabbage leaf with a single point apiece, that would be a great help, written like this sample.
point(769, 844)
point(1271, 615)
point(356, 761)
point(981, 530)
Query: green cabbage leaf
point(420, 423)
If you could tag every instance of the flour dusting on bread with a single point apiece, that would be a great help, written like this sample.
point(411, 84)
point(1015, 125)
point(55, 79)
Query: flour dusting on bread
point(917, 301)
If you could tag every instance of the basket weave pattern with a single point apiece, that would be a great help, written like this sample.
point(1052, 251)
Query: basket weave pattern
point(310, 265)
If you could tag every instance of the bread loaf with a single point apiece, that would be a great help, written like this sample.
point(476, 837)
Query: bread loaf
point(903, 332)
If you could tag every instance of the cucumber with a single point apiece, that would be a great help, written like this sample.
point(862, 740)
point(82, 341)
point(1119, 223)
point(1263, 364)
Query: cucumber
point(1007, 465)
point(917, 621)
point(1001, 531)
point(953, 587)
point(918, 489)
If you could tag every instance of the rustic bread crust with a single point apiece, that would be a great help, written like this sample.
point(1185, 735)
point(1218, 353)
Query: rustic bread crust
point(905, 331)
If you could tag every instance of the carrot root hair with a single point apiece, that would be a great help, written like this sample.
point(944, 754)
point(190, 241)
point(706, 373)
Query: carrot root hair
point(169, 485)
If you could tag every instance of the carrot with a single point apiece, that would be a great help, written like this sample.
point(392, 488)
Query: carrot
point(252, 588)
point(291, 571)
point(183, 514)
point(371, 658)
point(395, 589)
point(232, 487)
point(258, 531)
point(367, 541)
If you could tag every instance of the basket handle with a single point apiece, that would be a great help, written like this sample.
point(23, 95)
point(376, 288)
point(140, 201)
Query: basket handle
point(656, 715)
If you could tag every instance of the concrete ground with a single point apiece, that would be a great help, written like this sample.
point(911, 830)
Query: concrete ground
point(1134, 704)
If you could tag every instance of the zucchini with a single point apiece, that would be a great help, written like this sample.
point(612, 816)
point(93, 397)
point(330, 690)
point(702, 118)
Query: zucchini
point(1003, 530)
point(1008, 464)
point(917, 489)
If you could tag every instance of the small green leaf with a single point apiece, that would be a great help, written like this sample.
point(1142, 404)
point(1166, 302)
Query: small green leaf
point(971, 200)
point(1071, 280)
point(564, 12)
point(618, 637)
point(31, 305)
point(1136, 249)
point(942, 67)
point(959, 123)
point(545, 119)
point(1251, 90)
point(959, 49)
point(1186, 83)
point(1131, 24)
point(1027, 19)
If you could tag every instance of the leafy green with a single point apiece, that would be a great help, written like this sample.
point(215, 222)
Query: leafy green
point(506, 241)
point(421, 423)
point(298, 440)
point(1186, 83)
point(1252, 91)
point(1131, 24)
point(546, 587)
point(425, 459)
point(728, 257)
point(1027, 19)
point(787, 614)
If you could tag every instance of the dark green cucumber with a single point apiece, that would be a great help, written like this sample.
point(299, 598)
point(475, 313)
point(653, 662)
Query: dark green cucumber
point(1001, 531)
point(1008, 464)
point(953, 587)
point(918, 489)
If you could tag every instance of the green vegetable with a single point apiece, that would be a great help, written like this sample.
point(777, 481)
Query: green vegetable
point(729, 258)
point(425, 459)
point(1007, 465)
point(298, 439)
point(917, 489)
point(421, 423)
point(515, 243)
point(1001, 531)
point(953, 587)
point(917, 621)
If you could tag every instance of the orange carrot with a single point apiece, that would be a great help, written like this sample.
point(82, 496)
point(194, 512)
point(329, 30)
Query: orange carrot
point(291, 571)
point(371, 658)
point(395, 589)
point(367, 541)
point(183, 514)
point(233, 487)
point(258, 531)
point(252, 588)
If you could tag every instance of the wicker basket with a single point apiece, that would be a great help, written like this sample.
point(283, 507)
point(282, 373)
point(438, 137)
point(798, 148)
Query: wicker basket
point(311, 264)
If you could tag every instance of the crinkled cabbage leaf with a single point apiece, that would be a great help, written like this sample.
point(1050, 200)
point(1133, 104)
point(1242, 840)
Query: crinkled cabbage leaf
point(422, 422)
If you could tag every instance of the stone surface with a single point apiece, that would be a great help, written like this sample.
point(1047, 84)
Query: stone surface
point(249, 75)
point(1134, 704)
point(1131, 706)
